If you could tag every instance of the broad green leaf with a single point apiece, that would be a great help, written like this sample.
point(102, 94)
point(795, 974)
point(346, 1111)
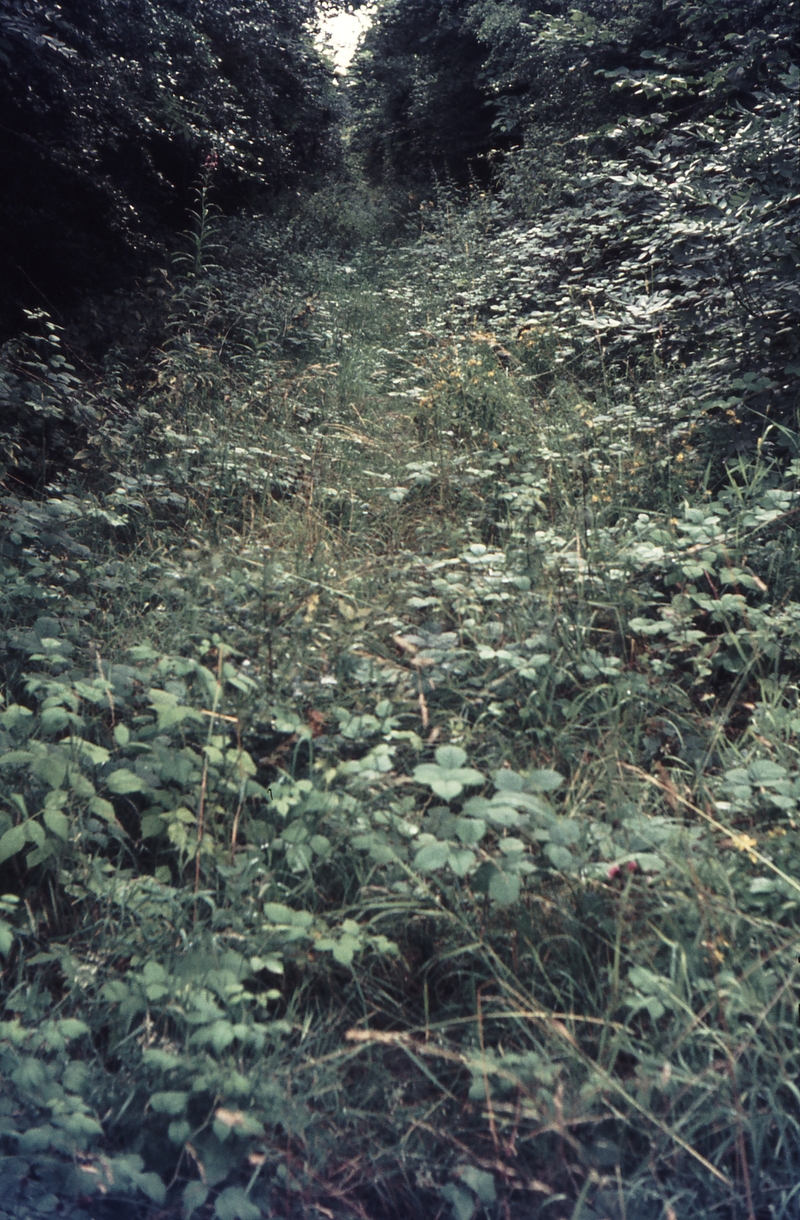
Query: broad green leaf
point(40, 854)
point(506, 780)
point(122, 734)
point(234, 1204)
point(476, 807)
point(115, 991)
point(481, 1182)
point(56, 822)
point(449, 758)
point(181, 814)
point(448, 788)
point(158, 1058)
point(504, 888)
point(169, 1103)
point(54, 719)
point(6, 937)
point(564, 831)
point(645, 980)
point(152, 825)
point(156, 992)
point(80, 784)
point(123, 781)
point(345, 950)
point(127, 1167)
point(470, 830)
point(15, 758)
point(97, 755)
point(52, 768)
point(151, 1185)
point(299, 856)
point(502, 815)
point(522, 800)
point(359, 727)
point(82, 1126)
point(242, 762)
point(277, 913)
point(142, 652)
point(559, 857)
point(37, 1139)
point(461, 1201)
point(431, 857)
point(71, 1027)
point(447, 783)
point(296, 832)
point(461, 861)
point(194, 1196)
point(169, 711)
point(649, 862)
point(382, 853)
point(222, 1035)
point(764, 771)
point(35, 832)
point(270, 962)
point(543, 781)
point(12, 842)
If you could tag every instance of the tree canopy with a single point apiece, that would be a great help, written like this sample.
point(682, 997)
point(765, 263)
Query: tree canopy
point(442, 83)
point(110, 109)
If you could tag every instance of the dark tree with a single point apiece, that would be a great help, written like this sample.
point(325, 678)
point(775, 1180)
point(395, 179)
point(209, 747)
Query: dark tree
point(109, 110)
point(440, 84)
point(419, 95)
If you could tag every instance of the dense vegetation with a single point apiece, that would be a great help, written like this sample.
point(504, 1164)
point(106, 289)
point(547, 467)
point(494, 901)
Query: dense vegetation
point(399, 614)
point(111, 108)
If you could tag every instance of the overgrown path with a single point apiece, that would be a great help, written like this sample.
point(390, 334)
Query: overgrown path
point(403, 776)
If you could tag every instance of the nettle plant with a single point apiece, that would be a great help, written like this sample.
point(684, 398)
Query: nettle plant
point(176, 1042)
point(75, 779)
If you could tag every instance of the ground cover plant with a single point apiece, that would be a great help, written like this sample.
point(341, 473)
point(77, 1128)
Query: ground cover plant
point(399, 731)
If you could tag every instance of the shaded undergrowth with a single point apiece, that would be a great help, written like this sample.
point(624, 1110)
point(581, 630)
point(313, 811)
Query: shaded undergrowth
point(399, 762)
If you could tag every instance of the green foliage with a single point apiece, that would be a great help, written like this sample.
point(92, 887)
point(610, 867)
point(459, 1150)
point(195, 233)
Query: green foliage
point(44, 412)
point(399, 768)
point(420, 102)
point(606, 834)
point(111, 110)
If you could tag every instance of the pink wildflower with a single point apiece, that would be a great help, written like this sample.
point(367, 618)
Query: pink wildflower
point(616, 869)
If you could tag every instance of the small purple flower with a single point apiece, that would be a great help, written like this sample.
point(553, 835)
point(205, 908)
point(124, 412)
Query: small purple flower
point(616, 869)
